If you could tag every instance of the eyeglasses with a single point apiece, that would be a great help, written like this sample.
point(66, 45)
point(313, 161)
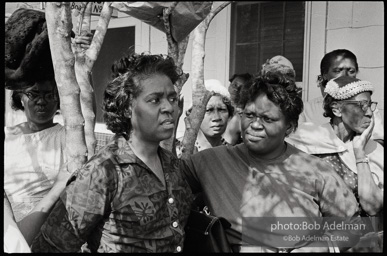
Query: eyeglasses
point(49, 97)
point(364, 104)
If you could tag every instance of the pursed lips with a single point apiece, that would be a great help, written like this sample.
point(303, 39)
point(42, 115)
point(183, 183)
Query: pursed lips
point(255, 135)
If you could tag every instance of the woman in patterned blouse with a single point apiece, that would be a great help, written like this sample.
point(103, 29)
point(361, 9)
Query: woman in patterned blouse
point(129, 197)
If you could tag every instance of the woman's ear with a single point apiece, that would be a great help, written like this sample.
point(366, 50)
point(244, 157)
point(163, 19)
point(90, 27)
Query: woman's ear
point(289, 130)
point(336, 110)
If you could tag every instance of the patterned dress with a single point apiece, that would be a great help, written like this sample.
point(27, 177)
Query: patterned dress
point(115, 203)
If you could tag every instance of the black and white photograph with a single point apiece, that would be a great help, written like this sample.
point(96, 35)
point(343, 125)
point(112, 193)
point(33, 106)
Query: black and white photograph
point(194, 127)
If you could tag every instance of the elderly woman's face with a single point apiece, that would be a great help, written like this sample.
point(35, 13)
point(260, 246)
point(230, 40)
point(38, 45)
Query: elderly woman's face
point(353, 116)
point(215, 119)
point(264, 127)
point(40, 102)
point(153, 117)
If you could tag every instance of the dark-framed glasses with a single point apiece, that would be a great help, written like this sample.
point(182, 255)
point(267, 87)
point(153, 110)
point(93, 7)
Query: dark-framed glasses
point(363, 104)
point(49, 97)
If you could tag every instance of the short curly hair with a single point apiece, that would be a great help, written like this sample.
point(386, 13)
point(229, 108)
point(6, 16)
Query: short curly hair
point(121, 91)
point(281, 91)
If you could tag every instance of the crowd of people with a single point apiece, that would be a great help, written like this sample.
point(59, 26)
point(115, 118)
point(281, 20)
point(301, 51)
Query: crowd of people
point(261, 152)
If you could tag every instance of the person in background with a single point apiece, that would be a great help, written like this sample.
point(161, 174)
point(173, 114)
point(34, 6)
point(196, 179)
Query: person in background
point(276, 64)
point(344, 141)
point(340, 62)
point(233, 131)
point(35, 170)
point(265, 176)
point(279, 64)
point(345, 144)
point(130, 196)
point(218, 112)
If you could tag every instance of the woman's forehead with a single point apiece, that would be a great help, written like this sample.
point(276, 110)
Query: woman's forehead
point(42, 86)
point(362, 96)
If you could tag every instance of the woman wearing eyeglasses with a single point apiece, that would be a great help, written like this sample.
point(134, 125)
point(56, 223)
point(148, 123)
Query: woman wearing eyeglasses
point(34, 149)
point(345, 141)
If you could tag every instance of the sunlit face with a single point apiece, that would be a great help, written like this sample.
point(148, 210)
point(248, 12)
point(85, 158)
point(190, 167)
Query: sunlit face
point(340, 67)
point(354, 117)
point(264, 127)
point(215, 119)
point(153, 110)
point(41, 103)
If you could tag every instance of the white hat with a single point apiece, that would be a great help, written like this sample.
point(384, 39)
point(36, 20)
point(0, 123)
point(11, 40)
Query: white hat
point(217, 87)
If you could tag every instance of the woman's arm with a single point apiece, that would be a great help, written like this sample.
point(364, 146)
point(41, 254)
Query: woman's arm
point(370, 195)
point(70, 217)
point(30, 225)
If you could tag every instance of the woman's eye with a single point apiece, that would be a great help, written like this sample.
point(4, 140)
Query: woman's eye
point(156, 100)
point(173, 99)
point(267, 120)
point(249, 115)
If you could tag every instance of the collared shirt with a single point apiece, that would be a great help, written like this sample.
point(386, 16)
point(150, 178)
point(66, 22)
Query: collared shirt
point(115, 203)
point(322, 140)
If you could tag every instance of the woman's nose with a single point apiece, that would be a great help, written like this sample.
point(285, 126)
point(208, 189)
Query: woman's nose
point(257, 124)
point(167, 107)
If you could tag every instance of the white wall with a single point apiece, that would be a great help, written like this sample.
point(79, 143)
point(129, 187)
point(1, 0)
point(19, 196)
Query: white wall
point(359, 27)
point(356, 26)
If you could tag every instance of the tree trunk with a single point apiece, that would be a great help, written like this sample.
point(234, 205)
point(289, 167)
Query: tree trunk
point(200, 96)
point(59, 25)
point(84, 62)
point(176, 50)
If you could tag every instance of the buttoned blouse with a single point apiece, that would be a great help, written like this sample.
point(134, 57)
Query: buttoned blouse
point(115, 203)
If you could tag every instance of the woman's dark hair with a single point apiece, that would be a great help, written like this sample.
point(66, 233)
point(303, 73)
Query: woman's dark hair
point(244, 76)
point(234, 91)
point(227, 102)
point(327, 60)
point(27, 50)
point(121, 91)
point(16, 102)
point(281, 91)
point(328, 99)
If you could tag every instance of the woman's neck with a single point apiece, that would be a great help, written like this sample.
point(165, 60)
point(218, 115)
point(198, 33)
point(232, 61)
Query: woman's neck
point(341, 131)
point(143, 149)
point(279, 152)
point(209, 141)
point(30, 127)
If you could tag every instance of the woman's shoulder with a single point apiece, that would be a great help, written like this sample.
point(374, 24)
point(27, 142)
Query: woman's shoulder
point(22, 129)
point(15, 130)
point(311, 162)
point(315, 139)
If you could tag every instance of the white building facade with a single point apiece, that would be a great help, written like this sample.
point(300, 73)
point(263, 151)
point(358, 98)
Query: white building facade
point(326, 25)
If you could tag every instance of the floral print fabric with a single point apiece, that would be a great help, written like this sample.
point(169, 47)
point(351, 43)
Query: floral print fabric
point(115, 203)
